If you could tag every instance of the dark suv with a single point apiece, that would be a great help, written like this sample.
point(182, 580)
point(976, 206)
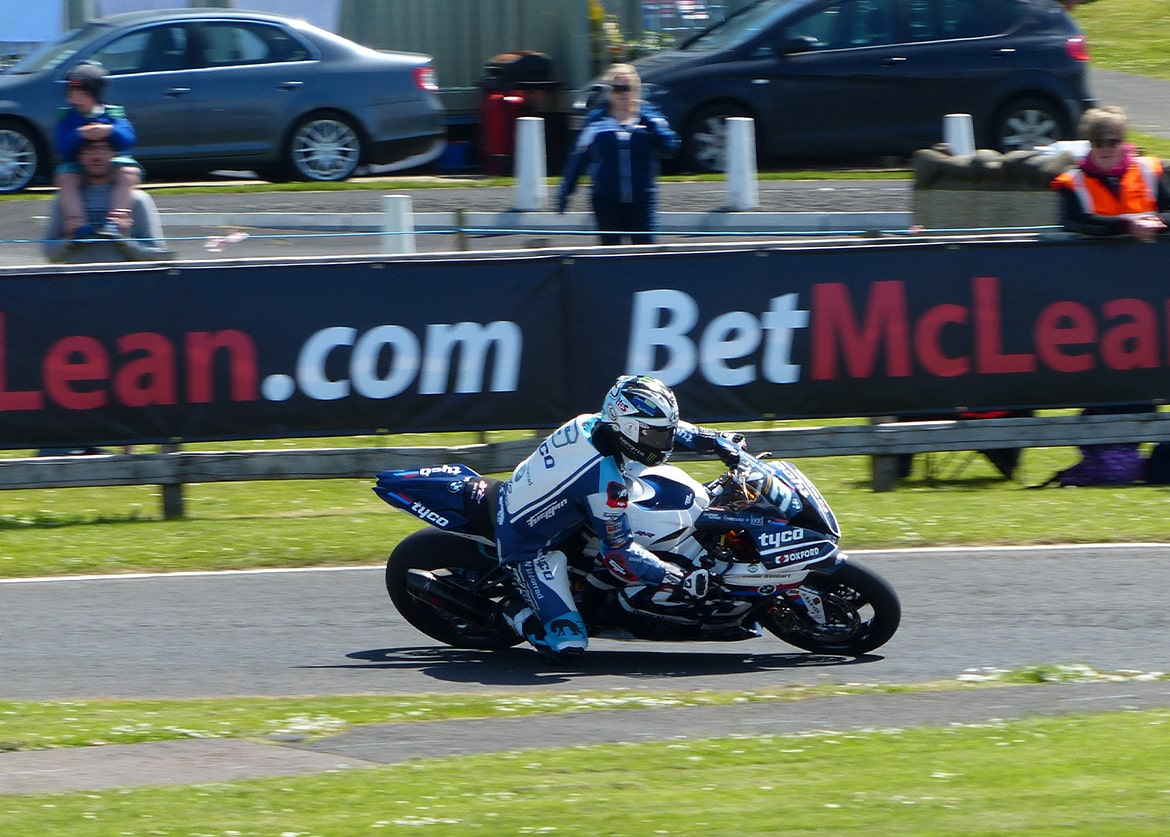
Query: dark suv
point(840, 78)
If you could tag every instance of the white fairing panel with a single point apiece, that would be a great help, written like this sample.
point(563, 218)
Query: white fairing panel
point(664, 504)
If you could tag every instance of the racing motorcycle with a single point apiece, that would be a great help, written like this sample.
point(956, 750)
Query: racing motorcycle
point(765, 535)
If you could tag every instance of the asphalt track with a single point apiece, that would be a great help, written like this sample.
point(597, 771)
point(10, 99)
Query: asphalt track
point(285, 633)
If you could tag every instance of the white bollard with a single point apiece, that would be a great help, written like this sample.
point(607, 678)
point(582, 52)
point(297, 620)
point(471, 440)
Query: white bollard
point(743, 190)
point(530, 165)
point(397, 224)
point(959, 134)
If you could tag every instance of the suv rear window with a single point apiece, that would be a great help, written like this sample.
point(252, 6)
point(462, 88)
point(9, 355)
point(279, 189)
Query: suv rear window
point(934, 20)
point(848, 23)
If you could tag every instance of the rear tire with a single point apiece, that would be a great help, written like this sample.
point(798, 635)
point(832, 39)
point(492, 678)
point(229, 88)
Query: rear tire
point(460, 562)
point(1028, 122)
point(324, 147)
point(861, 608)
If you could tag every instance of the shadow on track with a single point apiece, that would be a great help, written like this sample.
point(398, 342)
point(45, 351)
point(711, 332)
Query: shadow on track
point(522, 667)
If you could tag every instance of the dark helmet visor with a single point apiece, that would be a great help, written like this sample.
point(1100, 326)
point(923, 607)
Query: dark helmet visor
point(656, 438)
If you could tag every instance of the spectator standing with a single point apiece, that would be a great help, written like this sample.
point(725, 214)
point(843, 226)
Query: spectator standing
point(621, 145)
point(1113, 191)
point(87, 117)
point(143, 239)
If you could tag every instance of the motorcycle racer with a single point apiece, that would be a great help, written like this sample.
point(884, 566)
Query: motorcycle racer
point(577, 475)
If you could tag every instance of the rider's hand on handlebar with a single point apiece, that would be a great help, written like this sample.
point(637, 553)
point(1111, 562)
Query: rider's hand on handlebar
point(727, 451)
point(737, 439)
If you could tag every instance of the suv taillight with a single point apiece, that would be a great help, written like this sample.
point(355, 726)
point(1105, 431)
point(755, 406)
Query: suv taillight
point(425, 78)
point(1077, 48)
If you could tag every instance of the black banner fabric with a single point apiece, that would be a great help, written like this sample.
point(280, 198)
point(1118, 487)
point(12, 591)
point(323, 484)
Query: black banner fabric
point(891, 329)
point(189, 353)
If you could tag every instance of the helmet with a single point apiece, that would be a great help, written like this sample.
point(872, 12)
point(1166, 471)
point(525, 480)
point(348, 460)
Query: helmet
point(644, 414)
point(89, 77)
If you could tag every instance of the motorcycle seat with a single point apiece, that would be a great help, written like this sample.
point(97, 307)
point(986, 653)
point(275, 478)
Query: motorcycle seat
point(481, 502)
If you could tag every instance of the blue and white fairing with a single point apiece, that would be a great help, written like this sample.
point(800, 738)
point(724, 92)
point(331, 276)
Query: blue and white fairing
point(664, 504)
point(813, 501)
point(434, 494)
point(790, 526)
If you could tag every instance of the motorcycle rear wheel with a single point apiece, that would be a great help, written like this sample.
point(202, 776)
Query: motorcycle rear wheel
point(861, 608)
point(457, 562)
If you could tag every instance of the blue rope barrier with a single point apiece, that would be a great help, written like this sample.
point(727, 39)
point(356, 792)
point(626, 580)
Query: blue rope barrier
point(531, 231)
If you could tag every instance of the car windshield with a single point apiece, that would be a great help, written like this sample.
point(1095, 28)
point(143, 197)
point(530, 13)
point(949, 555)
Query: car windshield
point(739, 27)
point(55, 53)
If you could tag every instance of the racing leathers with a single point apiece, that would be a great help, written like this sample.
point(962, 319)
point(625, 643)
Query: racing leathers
point(575, 477)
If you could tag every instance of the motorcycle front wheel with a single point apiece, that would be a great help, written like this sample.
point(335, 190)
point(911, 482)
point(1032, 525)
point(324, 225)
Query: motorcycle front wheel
point(862, 612)
point(455, 598)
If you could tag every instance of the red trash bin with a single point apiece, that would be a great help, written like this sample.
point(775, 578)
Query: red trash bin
point(500, 112)
point(515, 84)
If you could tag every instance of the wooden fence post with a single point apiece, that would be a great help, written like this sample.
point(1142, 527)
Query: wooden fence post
point(172, 492)
point(884, 467)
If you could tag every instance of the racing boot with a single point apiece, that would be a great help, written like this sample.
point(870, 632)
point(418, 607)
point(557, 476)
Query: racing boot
point(550, 621)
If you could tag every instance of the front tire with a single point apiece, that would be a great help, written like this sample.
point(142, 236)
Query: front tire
point(862, 612)
point(458, 562)
point(325, 147)
point(20, 157)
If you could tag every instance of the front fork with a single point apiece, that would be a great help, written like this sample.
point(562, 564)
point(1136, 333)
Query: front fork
point(807, 600)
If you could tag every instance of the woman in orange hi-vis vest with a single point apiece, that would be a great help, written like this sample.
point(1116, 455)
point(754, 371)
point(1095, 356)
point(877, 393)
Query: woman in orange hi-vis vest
point(1113, 191)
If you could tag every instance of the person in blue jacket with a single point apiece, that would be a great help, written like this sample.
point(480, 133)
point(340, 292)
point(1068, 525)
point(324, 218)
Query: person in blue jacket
point(86, 118)
point(577, 477)
point(621, 145)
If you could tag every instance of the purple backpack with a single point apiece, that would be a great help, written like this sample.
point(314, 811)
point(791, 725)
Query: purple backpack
point(1105, 465)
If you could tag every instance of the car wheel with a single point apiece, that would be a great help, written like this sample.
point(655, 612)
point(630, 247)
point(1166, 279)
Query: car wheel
point(1028, 123)
point(324, 147)
point(20, 157)
point(705, 138)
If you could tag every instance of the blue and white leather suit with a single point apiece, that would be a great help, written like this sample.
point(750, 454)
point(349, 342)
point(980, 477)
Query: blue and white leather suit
point(622, 160)
point(568, 482)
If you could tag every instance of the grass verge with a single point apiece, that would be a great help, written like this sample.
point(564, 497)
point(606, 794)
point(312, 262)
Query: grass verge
point(26, 725)
point(1084, 775)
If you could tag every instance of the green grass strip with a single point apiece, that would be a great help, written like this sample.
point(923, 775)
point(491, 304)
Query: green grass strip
point(1084, 775)
point(31, 725)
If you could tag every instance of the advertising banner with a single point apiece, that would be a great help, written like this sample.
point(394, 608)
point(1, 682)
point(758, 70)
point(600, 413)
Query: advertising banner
point(890, 329)
point(249, 351)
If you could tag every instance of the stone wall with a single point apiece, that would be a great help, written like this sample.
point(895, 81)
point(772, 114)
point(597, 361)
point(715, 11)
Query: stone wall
point(986, 190)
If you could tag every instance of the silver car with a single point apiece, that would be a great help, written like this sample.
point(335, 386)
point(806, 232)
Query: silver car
point(214, 89)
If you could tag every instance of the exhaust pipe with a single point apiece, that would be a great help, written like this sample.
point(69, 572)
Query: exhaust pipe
point(430, 589)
